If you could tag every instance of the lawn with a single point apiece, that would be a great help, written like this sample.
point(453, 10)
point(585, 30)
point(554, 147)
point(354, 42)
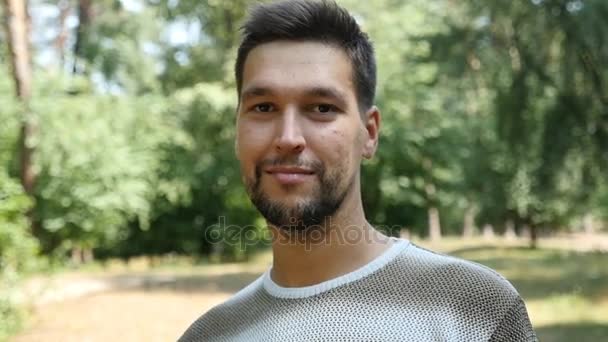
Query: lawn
point(566, 291)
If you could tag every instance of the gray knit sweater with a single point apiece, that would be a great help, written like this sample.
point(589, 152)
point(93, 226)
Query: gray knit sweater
point(406, 294)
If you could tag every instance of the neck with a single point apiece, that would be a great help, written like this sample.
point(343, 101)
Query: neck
point(346, 242)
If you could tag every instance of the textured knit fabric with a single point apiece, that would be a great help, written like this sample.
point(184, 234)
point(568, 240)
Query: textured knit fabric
point(406, 294)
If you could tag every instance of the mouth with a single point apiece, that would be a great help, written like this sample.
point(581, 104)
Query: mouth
point(289, 175)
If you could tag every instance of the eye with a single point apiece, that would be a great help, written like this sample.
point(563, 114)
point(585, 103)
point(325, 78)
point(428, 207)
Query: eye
point(325, 108)
point(263, 108)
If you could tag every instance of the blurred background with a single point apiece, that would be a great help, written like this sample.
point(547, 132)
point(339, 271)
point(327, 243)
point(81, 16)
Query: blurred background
point(122, 214)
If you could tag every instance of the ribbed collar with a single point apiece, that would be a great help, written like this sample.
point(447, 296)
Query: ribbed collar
point(307, 291)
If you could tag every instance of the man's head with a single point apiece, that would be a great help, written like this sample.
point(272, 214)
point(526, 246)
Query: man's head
point(306, 79)
point(320, 21)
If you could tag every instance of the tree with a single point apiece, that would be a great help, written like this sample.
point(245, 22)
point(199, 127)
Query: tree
point(213, 28)
point(538, 61)
point(17, 250)
point(17, 26)
point(414, 180)
point(85, 16)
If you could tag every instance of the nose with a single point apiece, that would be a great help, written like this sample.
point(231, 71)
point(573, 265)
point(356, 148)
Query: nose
point(289, 138)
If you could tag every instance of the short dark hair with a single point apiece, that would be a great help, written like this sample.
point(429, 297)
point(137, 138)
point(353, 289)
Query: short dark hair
point(322, 21)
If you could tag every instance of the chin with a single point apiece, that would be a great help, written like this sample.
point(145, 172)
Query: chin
point(291, 202)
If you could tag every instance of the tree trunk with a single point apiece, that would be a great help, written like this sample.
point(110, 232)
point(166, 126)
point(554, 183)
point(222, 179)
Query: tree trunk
point(434, 224)
point(510, 230)
point(76, 255)
point(589, 223)
point(488, 231)
point(84, 19)
point(87, 255)
point(533, 236)
point(525, 231)
point(433, 212)
point(64, 10)
point(468, 225)
point(17, 26)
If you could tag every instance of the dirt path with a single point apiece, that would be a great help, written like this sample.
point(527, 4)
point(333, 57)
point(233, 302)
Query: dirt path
point(120, 316)
point(160, 305)
point(148, 306)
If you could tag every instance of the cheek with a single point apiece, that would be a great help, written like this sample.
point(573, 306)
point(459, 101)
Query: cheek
point(250, 142)
point(247, 150)
point(342, 148)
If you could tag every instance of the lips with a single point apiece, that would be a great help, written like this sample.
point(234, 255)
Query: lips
point(289, 175)
point(289, 169)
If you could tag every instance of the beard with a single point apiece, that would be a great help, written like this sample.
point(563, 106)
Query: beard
point(303, 217)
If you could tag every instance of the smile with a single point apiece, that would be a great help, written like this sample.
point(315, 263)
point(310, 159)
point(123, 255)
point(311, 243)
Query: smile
point(290, 175)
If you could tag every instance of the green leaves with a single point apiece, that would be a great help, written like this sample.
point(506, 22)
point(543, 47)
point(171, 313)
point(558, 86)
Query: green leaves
point(98, 163)
point(528, 58)
point(498, 106)
point(18, 250)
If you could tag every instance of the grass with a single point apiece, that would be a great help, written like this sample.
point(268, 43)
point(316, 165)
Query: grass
point(564, 285)
point(566, 291)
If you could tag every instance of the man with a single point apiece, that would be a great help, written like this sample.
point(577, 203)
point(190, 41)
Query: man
point(306, 80)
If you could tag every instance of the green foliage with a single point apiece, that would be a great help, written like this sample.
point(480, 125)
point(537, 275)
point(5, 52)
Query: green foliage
point(534, 65)
point(98, 159)
point(121, 47)
point(9, 119)
point(213, 26)
point(17, 251)
point(493, 107)
point(204, 165)
point(424, 130)
point(497, 107)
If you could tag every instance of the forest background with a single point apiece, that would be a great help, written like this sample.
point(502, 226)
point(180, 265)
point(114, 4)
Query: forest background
point(117, 127)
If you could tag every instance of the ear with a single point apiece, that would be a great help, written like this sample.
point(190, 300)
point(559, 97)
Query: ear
point(371, 123)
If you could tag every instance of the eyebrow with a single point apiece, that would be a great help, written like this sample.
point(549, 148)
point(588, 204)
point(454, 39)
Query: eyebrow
point(316, 91)
point(328, 92)
point(256, 92)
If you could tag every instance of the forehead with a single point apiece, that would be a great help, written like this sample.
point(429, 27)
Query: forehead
point(293, 66)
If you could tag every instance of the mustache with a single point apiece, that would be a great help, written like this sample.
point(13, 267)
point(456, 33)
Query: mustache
point(291, 162)
point(313, 165)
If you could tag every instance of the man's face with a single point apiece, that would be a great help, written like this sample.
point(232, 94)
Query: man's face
point(300, 137)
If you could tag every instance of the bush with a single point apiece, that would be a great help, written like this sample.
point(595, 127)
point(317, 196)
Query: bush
point(17, 251)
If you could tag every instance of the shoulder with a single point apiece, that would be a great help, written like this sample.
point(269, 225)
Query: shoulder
point(469, 297)
point(218, 320)
point(462, 286)
point(448, 271)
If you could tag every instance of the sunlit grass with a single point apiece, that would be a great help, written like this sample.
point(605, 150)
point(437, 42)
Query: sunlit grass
point(565, 287)
point(566, 291)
